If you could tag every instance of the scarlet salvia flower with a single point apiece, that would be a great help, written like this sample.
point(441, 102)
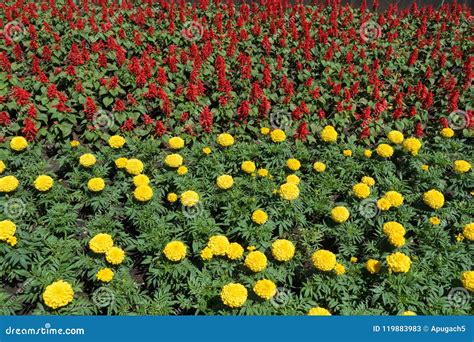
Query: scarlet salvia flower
point(419, 130)
point(29, 129)
point(205, 120)
point(4, 119)
point(302, 131)
point(90, 108)
point(128, 125)
point(243, 110)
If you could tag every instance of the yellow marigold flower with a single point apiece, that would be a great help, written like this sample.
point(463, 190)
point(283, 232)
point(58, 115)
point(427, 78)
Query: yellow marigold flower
point(340, 214)
point(447, 132)
point(435, 220)
point(96, 184)
point(189, 198)
point(143, 193)
point(412, 145)
point(373, 266)
point(383, 204)
point(175, 251)
point(172, 197)
point(12, 241)
point(234, 295)
point(354, 259)
point(293, 164)
point(256, 261)
point(43, 183)
point(368, 180)
point(58, 294)
point(105, 275)
point(384, 150)
point(235, 251)
point(319, 167)
point(206, 150)
point(264, 130)
point(121, 162)
point(115, 255)
point(425, 167)
point(116, 141)
point(395, 137)
point(283, 250)
point(225, 140)
point(174, 160)
point(277, 135)
point(182, 170)
point(87, 160)
point(392, 227)
point(293, 179)
point(433, 199)
point(262, 172)
point(468, 231)
point(461, 166)
point(361, 190)
point(251, 248)
point(467, 279)
point(101, 243)
point(8, 183)
point(368, 153)
point(399, 262)
point(218, 244)
point(259, 216)
point(318, 311)
point(289, 191)
point(329, 134)
point(225, 182)
point(248, 166)
point(2, 166)
point(141, 179)
point(7, 229)
point(206, 254)
point(408, 313)
point(74, 143)
point(396, 240)
point(395, 198)
point(176, 143)
point(339, 269)
point(134, 166)
point(459, 237)
point(18, 144)
point(265, 289)
point(324, 260)
point(347, 153)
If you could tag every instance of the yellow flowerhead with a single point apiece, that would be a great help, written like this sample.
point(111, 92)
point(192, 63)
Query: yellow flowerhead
point(140, 180)
point(182, 170)
point(115, 256)
point(174, 160)
point(277, 135)
point(265, 289)
point(339, 269)
point(324, 260)
point(395, 137)
point(368, 180)
point(2, 166)
point(283, 250)
point(172, 197)
point(319, 167)
point(289, 191)
point(43, 183)
point(468, 231)
point(218, 244)
point(399, 262)
point(225, 140)
point(383, 204)
point(234, 295)
point(340, 214)
point(318, 311)
point(96, 184)
point(189, 198)
point(384, 150)
point(116, 141)
point(256, 261)
point(467, 279)
point(392, 227)
point(18, 144)
point(225, 182)
point(206, 254)
point(105, 275)
point(134, 166)
point(412, 145)
point(461, 166)
point(395, 198)
point(143, 193)
point(175, 251)
point(329, 134)
point(121, 163)
point(58, 294)
point(347, 153)
point(373, 266)
point(259, 216)
point(87, 160)
point(367, 153)
point(447, 132)
point(176, 143)
point(248, 166)
point(361, 190)
point(235, 251)
point(434, 199)
point(74, 143)
point(206, 150)
point(101, 243)
point(293, 164)
point(293, 179)
point(7, 229)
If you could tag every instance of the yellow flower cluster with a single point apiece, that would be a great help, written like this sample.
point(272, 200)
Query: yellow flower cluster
point(447, 132)
point(293, 179)
point(319, 167)
point(395, 233)
point(433, 199)
point(368, 180)
point(103, 244)
point(324, 260)
point(256, 261)
point(189, 198)
point(116, 141)
point(361, 190)
point(8, 183)
point(43, 183)
point(7, 232)
point(176, 143)
point(134, 166)
point(265, 289)
point(87, 160)
point(467, 279)
point(283, 250)
point(399, 262)
point(174, 160)
point(468, 231)
point(96, 184)
point(340, 214)
point(289, 191)
point(58, 294)
point(105, 275)
point(395, 137)
point(225, 140)
point(175, 251)
point(461, 166)
point(18, 144)
point(293, 164)
point(412, 145)
point(329, 134)
point(318, 311)
point(121, 162)
point(277, 135)
point(234, 295)
point(248, 166)
point(225, 182)
point(384, 150)
point(373, 266)
point(259, 217)
point(2, 166)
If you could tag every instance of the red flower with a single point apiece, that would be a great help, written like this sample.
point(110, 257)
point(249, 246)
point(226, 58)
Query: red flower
point(205, 120)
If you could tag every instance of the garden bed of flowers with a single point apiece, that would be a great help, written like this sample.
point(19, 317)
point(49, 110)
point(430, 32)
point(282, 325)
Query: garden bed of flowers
point(256, 159)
